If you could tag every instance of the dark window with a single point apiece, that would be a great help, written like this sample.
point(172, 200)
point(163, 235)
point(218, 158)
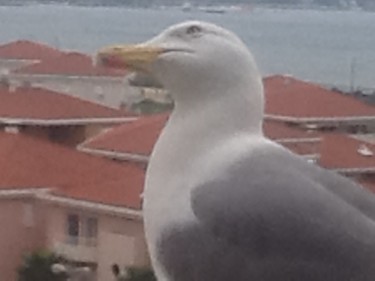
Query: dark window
point(91, 231)
point(91, 228)
point(73, 228)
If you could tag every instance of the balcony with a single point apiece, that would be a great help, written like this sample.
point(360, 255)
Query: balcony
point(78, 249)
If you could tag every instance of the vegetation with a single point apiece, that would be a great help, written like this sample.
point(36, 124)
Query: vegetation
point(133, 273)
point(37, 266)
point(140, 274)
point(150, 107)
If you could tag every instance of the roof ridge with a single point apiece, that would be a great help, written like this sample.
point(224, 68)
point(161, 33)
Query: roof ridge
point(45, 90)
point(10, 47)
point(131, 126)
point(27, 41)
point(69, 63)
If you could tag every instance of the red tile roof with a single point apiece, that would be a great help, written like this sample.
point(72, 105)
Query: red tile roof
point(304, 148)
point(38, 103)
point(71, 64)
point(28, 162)
point(298, 140)
point(277, 130)
point(338, 151)
point(287, 96)
point(370, 184)
point(137, 137)
point(27, 50)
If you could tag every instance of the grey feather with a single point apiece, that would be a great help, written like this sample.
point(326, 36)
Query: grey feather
point(273, 216)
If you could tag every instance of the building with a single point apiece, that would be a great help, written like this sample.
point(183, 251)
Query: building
point(84, 207)
point(311, 106)
point(303, 142)
point(335, 151)
point(55, 116)
point(14, 55)
point(76, 74)
point(88, 208)
point(26, 62)
point(134, 141)
point(348, 156)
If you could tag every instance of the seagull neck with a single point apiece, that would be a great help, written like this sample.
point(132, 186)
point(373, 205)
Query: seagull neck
point(193, 132)
point(196, 130)
point(226, 114)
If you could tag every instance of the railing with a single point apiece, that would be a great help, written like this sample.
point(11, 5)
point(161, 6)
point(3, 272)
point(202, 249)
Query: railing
point(78, 248)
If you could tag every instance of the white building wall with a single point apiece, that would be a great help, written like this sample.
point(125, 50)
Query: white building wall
point(109, 91)
point(119, 240)
point(8, 65)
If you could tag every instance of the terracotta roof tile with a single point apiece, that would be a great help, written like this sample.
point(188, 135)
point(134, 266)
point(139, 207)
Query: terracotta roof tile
point(136, 137)
point(370, 184)
point(338, 151)
point(38, 103)
point(287, 96)
point(277, 130)
point(139, 137)
point(28, 162)
point(27, 50)
point(303, 148)
point(70, 64)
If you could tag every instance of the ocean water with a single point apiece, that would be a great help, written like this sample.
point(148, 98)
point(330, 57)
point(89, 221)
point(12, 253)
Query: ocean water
point(321, 46)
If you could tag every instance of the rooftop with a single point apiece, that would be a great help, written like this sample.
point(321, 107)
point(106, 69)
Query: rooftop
point(289, 97)
point(69, 64)
point(27, 50)
point(28, 162)
point(370, 184)
point(304, 148)
point(277, 130)
point(43, 104)
point(339, 151)
point(139, 137)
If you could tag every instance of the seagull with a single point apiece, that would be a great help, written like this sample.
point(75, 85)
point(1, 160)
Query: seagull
point(221, 201)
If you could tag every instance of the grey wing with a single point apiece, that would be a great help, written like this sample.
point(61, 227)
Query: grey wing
point(351, 192)
point(271, 218)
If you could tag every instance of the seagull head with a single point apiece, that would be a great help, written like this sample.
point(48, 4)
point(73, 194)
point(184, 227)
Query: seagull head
point(190, 57)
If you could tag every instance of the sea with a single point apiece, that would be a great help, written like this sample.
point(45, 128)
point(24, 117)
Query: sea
point(336, 48)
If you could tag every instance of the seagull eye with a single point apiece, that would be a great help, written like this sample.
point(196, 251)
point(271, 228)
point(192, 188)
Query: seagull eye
point(193, 29)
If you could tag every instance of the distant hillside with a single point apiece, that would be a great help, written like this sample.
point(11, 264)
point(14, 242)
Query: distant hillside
point(328, 3)
point(365, 4)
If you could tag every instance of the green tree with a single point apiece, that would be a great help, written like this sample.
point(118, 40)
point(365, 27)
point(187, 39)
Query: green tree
point(133, 273)
point(140, 274)
point(37, 267)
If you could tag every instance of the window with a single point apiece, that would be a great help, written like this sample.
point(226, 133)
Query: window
point(73, 229)
point(82, 230)
point(28, 215)
point(91, 231)
point(98, 90)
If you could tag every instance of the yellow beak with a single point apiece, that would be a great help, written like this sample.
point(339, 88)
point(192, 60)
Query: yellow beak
point(135, 57)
